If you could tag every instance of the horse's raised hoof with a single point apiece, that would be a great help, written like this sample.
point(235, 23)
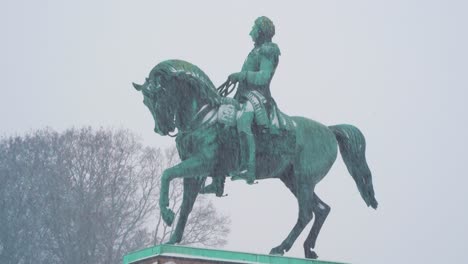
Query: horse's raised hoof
point(168, 216)
point(310, 254)
point(277, 251)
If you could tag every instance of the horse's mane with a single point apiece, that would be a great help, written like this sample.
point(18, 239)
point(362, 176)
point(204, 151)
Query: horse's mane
point(184, 72)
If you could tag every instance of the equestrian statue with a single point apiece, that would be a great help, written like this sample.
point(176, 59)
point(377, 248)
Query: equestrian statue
point(247, 137)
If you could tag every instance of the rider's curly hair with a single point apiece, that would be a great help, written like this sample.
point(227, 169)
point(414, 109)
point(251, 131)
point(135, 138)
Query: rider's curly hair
point(266, 26)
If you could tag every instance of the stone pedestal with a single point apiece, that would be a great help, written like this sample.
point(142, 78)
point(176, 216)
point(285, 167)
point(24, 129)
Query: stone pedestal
point(169, 254)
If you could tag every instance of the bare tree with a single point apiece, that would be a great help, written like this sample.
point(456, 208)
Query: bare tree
point(20, 202)
point(87, 196)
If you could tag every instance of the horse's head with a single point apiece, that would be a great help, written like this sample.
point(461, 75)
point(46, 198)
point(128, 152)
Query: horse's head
point(160, 103)
point(174, 92)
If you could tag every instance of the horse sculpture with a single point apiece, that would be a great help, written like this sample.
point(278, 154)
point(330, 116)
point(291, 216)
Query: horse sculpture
point(181, 96)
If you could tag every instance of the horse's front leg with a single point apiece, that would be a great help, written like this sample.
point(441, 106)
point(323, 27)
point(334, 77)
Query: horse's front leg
point(190, 168)
point(191, 188)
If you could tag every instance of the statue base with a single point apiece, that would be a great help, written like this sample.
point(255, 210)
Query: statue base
point(170, 254)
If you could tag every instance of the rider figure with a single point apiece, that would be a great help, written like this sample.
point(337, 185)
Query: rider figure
point(254, 94)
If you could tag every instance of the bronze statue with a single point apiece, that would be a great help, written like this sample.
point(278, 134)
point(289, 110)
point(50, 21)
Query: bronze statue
point(253, 93)
point(247, 137)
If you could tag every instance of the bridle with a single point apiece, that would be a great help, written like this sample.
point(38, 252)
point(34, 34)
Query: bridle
point(223, 90)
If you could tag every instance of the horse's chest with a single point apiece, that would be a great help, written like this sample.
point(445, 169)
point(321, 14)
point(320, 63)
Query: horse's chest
point(202, 141)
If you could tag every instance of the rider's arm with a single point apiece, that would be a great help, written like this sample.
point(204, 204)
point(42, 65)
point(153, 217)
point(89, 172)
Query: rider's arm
point(263, 76)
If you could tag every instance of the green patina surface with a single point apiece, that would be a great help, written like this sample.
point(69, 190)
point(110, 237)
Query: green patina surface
point(247, 137)
point(215, 255)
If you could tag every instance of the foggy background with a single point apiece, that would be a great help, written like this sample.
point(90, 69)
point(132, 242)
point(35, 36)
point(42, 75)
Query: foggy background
point(395, 69)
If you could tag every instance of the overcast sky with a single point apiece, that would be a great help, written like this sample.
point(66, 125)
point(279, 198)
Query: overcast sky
point(395, 69)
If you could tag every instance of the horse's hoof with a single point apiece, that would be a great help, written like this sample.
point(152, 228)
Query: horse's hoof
point(170, 242)
point(310, 254)
point(168, 216)
point(277, 251)
point(175, 238)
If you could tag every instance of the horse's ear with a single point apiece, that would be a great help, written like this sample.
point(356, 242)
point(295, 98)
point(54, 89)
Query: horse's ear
point(137, 86)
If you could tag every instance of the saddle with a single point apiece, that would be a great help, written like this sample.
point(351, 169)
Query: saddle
point(268, 118)
point(274, 132)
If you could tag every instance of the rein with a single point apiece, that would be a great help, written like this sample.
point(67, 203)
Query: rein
point(223, 90)
point(226, 88)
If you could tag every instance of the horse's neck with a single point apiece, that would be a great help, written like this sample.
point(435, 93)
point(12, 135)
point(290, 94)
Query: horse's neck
point(204, 114)
point(189, 112)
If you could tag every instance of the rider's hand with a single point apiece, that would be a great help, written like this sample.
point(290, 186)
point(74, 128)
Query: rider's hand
point(237, 77)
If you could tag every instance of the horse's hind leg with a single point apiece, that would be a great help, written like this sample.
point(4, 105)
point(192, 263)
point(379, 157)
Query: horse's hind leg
point(321, 211)
point(304, 195)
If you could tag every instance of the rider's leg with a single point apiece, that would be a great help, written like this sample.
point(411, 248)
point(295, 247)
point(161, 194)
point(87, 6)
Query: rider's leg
point(247, 144)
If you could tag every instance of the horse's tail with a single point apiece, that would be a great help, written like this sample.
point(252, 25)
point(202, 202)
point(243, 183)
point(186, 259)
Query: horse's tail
point(352, 147)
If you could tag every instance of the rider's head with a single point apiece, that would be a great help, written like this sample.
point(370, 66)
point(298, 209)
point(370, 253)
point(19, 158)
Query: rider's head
point(263, 30)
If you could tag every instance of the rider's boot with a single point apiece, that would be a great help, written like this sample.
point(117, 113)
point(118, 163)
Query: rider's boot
point(247, 165)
